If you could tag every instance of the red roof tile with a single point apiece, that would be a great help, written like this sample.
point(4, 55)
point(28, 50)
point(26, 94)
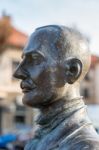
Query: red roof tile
point(94, 60)
point(17, 38)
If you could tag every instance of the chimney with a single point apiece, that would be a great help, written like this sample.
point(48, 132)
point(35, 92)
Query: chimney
point(6, 18)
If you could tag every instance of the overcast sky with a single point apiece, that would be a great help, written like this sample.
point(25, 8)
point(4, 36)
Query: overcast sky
point(30, 14)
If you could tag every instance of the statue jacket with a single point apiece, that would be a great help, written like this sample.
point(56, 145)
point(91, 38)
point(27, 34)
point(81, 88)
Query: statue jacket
point(74, 132)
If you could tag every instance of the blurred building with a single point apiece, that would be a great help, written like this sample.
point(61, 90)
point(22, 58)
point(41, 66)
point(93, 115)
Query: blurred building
point(90, 84)
point(12, 112)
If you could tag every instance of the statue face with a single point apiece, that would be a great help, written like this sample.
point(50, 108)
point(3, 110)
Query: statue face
point(41, 73)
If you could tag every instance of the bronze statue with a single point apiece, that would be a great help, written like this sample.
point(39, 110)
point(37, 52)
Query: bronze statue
point(55, 60)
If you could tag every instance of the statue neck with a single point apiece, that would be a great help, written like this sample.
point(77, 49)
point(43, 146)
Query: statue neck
point(51, 116)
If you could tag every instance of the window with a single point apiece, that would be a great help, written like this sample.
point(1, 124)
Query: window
point(20, 114)
point(20, 108)
point(87, 78)
point(14, 66)
point(86, 93)
point(19, 119)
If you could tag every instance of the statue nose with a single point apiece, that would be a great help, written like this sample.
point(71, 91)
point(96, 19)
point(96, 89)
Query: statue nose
point(20, 73)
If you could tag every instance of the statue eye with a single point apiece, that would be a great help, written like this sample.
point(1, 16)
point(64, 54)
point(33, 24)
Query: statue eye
point(36, 59)
point(34, 56)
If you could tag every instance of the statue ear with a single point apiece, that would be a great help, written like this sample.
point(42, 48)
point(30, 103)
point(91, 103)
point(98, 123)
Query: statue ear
point(73, 69)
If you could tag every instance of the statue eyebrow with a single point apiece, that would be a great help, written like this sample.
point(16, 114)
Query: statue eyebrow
point(37, 53)
point(34, 53)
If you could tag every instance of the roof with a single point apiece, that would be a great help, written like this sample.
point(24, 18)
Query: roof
point(94, 60)
point(17, 38)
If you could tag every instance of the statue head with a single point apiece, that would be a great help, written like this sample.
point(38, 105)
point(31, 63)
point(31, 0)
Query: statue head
point(55, 60)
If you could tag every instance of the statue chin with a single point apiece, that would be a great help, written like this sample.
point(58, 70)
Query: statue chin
point(31, 99)
point(34, 99)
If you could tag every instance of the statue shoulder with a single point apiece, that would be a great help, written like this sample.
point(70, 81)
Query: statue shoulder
point(31, 144)
point(81, 145)
point(88, 145)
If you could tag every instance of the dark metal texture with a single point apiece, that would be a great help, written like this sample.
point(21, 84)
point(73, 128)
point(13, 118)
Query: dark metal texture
point(55, 60)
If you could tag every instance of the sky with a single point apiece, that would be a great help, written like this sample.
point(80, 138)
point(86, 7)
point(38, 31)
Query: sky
point(30, 14)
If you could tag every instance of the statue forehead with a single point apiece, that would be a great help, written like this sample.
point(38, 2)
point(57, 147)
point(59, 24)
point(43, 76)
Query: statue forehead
point(45, 37)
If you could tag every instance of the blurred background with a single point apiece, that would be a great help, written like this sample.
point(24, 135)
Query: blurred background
point(18, 18)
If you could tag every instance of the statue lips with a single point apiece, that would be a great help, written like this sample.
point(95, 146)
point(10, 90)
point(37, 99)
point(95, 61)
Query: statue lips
point(26, 86)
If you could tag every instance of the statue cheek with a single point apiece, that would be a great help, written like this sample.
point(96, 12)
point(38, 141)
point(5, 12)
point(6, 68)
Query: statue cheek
point(58, 78)
point(41, 78)
point(36, 74)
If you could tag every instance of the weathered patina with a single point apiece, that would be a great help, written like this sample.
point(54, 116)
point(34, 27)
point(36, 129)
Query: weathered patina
point(55, 60)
